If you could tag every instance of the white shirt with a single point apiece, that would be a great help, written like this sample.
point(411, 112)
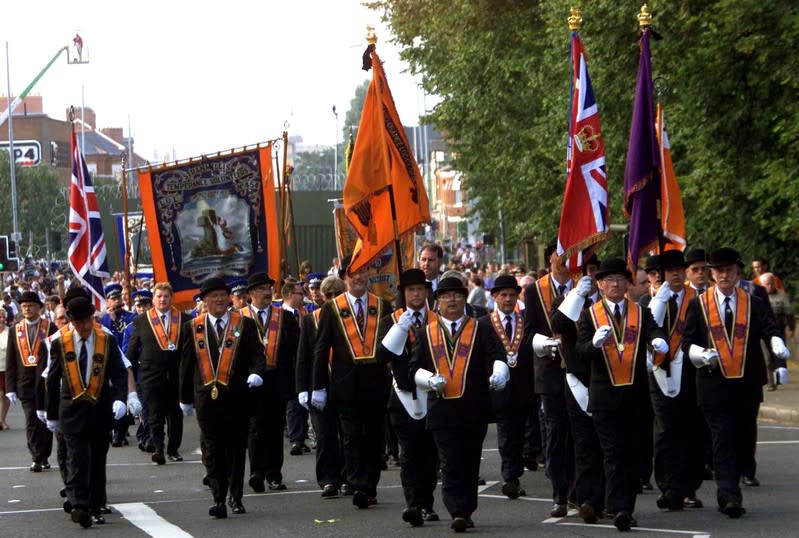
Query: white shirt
point(720, 298)
point(89, 343)
point(502, 319)
point(612, 306)
point(351, 298)
point(569, 284)
point(164, 317)
point(212, 320)
point(458, 324)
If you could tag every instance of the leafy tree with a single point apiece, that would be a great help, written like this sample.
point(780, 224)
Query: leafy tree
point(502, 71)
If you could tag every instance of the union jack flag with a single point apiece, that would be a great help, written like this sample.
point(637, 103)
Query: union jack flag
point(87, 252)
point(584, 217)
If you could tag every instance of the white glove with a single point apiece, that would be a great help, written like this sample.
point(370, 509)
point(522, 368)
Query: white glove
point(302, 397)
point(543, 345)
point(660, 345)
point(52, 425)
point(12, 396)
point(664, 293)
point(319, 399)
point(779, 349)
point(254, 380)
point(782, 376)
point(134, 404)
point(395, 338)
point(711, 358)
point(187, 409)
point(583, 287)
point(405, 321)
point(41, 415)
point(436, 382)
point(601, 335)
point(499, 376)
point(119, 409)
point(701, 357)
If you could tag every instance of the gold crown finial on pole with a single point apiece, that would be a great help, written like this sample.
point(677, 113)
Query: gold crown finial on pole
point(371, 36)
point(575, 19)
point(644, 17)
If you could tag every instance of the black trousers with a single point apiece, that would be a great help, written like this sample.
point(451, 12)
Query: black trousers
point(589, 472)
point(510, 438)
point(223, 441)
point(143, 431)
point(559, 449)
point(329, 458)
point(418, 459)
point(678, 443)
point(459, 452)
point(163, 408)
point(618, 431)
point(362, 441)
point(86, 458)
point(731, 429)
point(40, 439)
point(533, 432)
point(61, 456)
point(266, 436)
point(645, 449)
point(297, 421)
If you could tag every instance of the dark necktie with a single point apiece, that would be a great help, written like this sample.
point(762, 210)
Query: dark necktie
point(508, 327)
point(728, 316)
point(417, 319)
point(561, 290)
point(220, 332)
point(617, 316)
point(163, 321)
point(700, 291)
point(359, 313)
point(673, 310)
point(262, 317)
point(32, 328)
point(83, 359)
point(454, 328)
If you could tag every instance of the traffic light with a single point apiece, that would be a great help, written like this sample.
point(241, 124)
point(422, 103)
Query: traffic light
point(7, 263)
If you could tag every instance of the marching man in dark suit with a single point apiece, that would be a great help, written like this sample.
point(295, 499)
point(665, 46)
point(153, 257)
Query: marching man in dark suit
point(723, 330)
point(354, 380)
point(280, 333)
point(86, 390)
point(612, 336)
point(407, 407)
point(222, 357)
point(513, 404)
point(457, 361)
point(155, 346)
point(25, 339)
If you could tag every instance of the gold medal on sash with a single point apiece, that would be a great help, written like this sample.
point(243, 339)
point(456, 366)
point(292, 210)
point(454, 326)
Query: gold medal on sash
point(512, 359)
point(620, 347)
point(214, 392)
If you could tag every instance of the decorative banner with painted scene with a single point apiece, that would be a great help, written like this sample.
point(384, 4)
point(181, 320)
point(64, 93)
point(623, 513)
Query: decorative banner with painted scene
point(211, 216)
point(141, 263)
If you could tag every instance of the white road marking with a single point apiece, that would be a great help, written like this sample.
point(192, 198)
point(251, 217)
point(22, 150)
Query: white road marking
point(778, 442)
point(18, 486)
point(522, 498)
point(13, 501)
point(145, 518)
point(695, 534)
point(148, 464)
point(488, 484)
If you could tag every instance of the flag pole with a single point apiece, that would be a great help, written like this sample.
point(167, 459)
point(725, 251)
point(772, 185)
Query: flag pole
point(125, 231)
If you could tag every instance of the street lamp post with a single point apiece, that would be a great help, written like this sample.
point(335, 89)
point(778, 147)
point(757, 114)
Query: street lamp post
point(335, 153)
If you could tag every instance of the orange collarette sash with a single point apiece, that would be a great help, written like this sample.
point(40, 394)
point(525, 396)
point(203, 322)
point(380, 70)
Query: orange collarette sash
point(620, 353)
point(227, 351)
point(362, 347)
point(511, 347)
point(72, 367)
point(732, 354)
point(677, 328)
point(29, 353)
point(165, 342)
point(270, 333)
point(452, 366)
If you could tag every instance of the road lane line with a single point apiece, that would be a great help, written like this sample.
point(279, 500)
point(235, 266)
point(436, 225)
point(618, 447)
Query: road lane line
point(145, 518)
point(695, 534)
point(778, 442)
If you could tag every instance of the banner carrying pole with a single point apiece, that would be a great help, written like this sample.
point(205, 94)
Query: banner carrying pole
point(125, 231)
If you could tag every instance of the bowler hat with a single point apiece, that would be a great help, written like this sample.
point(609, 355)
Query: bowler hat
point(593, 260)
point(671, 259)
point(80, 308)
point(410, 277)
point(695, 255)
point(652, 263)
point(259, 279)
point(73, 293)
point(613, 266)
point(451, 284)
point(503, 282)
point(725, 256)
point(30, 297)
point(213, 283)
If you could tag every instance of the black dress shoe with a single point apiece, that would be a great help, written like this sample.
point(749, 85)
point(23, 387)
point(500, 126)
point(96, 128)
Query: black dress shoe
point(469, 523)
point(116, 443)
point(81, 517)
point(175, 456)
point(347, 490)
point(752, 482)
point(36, 467)
point(646, 485)
point(149, 449)
point(158, 457)
point(481, 481)
point(206, 482)
point(105, 510)
point(669, 501)
point(257, 484)
point(372, 501)
point(305, 449)
point(360, 499)
point(296, 449)
point(67, 506)
point(622, 520)
point(559, 510)
point(63, 493)
point(459, 524)
point(237, 507)
point(430, 515)
point(510, 490)
point(587, 513)
point(219, 511)
point(692, 502)
point(276, 485)
point(46, 465)
point(531, 464)
point(329, 491)
point(98, 519)
point(732, 509)
point(413, 516)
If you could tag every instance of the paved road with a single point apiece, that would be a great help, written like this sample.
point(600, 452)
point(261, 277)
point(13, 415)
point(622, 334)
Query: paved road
point(169, 501)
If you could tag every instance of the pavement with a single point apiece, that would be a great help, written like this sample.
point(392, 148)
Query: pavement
point(782, 405)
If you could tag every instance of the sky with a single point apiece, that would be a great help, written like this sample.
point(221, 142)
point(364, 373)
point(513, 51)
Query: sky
point(200, 77)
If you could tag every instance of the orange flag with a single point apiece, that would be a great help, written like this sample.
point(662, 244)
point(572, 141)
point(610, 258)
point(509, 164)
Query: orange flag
point(672, 214)
point(382, 166)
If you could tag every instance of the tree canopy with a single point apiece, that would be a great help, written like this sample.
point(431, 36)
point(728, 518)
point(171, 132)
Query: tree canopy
point(502, 71)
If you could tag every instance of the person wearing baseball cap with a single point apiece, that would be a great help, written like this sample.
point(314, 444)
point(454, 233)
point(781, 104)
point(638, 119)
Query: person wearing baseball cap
point(87, 383)
point(724, 328)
